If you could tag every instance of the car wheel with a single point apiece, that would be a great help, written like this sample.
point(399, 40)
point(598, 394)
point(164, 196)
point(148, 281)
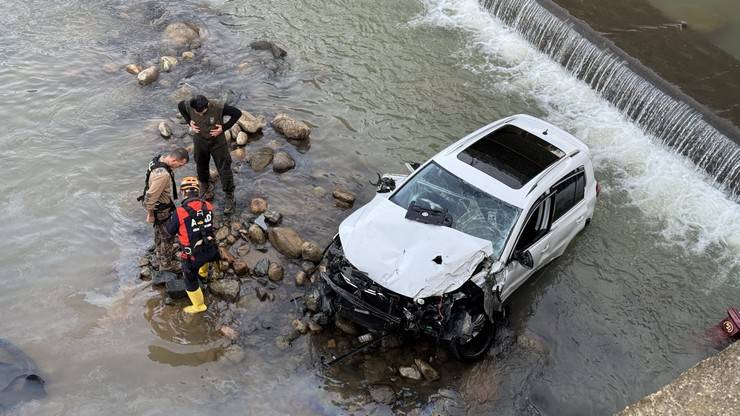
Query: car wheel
point(476, 347)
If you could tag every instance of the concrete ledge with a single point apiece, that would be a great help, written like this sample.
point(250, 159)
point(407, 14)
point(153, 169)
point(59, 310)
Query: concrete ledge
point(711, 387)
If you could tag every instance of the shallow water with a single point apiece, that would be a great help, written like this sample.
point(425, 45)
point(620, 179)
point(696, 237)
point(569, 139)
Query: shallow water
point(621, 313)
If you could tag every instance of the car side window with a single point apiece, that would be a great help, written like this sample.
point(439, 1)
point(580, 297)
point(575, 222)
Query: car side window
point(568, 193)
point(538, 224)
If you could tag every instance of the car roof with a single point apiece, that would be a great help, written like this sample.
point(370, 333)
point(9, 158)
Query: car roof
point(574, 153)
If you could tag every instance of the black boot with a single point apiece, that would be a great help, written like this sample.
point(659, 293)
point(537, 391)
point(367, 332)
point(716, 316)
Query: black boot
point(229, 203)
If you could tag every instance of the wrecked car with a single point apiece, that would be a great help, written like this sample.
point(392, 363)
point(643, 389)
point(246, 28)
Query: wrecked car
point(438, 252)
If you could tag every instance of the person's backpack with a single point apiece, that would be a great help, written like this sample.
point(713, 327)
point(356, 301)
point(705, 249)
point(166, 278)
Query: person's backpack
point(199, 223)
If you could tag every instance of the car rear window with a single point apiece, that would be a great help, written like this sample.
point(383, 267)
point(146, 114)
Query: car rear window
point(511, 155)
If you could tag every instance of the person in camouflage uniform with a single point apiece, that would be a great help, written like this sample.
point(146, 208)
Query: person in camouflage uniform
point(160, 191)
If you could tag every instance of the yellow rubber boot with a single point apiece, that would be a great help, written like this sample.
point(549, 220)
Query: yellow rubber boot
point(198, 305)
point(203, 271)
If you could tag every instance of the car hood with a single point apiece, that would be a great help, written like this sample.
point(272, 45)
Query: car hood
point(399, 254)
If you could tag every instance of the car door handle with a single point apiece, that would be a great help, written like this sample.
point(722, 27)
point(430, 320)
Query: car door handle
point(580, 219)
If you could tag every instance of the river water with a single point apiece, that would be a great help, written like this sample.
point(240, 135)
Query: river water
point(626, 309)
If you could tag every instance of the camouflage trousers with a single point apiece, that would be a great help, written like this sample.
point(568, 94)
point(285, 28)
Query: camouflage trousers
point(164, 249)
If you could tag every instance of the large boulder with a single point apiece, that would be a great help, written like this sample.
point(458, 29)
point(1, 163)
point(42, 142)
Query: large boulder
point(291, 128)
point(148, 75)
point(261, 158)
point(250, 123)
point(182, 34)
point(226, 288)
point(282, 162)
point(286, 241)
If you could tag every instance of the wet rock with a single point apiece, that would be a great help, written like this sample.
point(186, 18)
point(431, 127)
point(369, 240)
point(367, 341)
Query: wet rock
point(165, 130)
point(410, 372)
point(426, 369)
point(256, 235)
point(273, 217)
point(531, 344)
point(286, 241)
point(175, 288)
point(274, 145)
point(300, 278)
point(110, 68)
point(250, 123)
point(382, 394)
point(243, 250)
point(162, 277)
point(257, 206)
point(299, 326)
point(239, 154)
point(167, 63)
point(312, 304)
point(282, 162)
point(148, 75)
point(234, 354)
point(275, 272)
point(311, 251)
point(266, 45)
point(291, 128)
point(314, 327)
point(133, 69)
point(331, 344)
point(145, 273)
point(235, 130)
point(222, 233)
point(308, 267)
point(320, 318)
point(187, 55)
point(240, 267)
point(346, 326)
point(144, 261)
point(261, 158)
point(261, 293)
point(182, 34)
point(225, 254)
point(346, 197)
point(229, 332)
point(319, 192)
point(261, 268)
point(242, 138)
point(183, 92)
point(227, 289)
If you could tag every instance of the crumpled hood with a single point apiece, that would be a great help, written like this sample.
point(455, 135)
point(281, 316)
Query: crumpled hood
point(399, 254)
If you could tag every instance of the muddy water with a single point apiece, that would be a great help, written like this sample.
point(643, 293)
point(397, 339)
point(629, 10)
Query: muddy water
point(622, 312)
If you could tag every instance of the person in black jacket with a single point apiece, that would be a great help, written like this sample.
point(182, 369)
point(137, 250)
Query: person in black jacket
point(205, 118)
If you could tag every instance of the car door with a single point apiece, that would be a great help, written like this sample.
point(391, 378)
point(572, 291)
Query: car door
point(535, 238)
point(570, 210)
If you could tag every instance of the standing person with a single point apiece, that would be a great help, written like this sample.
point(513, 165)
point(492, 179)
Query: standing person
point(160, 191)
point(192, 222)
point(206, 121)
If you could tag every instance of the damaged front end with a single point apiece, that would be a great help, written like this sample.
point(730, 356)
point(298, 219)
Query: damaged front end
point(457, 317)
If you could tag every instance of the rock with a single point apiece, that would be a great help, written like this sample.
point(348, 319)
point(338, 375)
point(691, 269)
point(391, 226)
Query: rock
point(342, 195)
point(314, 327)
point(110, 68)
point(307, 266)
point(286, 241)
point(311, 251)
point(261, 158)
point(167, 63)
point(331, 344)
point(242, 138)
point(243, 250)
point(256, 235)
point(222, 233)
point(250, 123)
point(346, 326)
point(133, 69)
point(299, 326)
point(229, 332)
point(261, 293)
point(183, 92)
point(290, 128)
point(240, 267)
point(225, 254)
point(148, 75)
point(282, 162)
point(175, 288)
point(144, 261)
point(320, 318)
point(427, 370)
point(234, 354)
point(187, 55)
point(165, 130)
point(311, 302)
point(235, 130)
point(275, 272)
point(182, 34)
point(300, 278)
point(410, 372)
point(319, 191)
point(242, 67)
point(382, 394)
point(239, 154)
point(274, 145)
point(257, 206)
point(145, 273)
point(261, 268)
point(272, 217)
point(265, 45)
point(227, 289)
point(213, 174)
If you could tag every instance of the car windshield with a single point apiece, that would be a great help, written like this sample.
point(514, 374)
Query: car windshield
point(473, 211)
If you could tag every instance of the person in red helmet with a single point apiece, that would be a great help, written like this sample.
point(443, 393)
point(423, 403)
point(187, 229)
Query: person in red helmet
point(192, 222)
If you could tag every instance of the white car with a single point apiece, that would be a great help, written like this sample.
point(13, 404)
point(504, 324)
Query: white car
point(437, 252)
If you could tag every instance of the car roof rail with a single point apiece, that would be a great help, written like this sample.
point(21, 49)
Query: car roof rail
point(551, 167)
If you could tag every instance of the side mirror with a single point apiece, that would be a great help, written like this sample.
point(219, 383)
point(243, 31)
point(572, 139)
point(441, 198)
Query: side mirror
point(524, 258)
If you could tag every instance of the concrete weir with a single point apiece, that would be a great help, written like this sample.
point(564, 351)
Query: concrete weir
point(711, 387)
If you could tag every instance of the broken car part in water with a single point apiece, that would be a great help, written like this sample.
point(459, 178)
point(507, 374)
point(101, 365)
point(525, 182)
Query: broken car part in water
point(438, 252)
point(19, 379)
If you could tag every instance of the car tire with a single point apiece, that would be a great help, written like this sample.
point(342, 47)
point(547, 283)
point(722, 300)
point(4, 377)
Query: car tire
point(477, 347)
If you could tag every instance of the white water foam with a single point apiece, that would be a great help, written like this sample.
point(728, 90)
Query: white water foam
point(666, 187)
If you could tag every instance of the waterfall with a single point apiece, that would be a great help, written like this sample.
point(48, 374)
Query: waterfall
point(608, 71)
